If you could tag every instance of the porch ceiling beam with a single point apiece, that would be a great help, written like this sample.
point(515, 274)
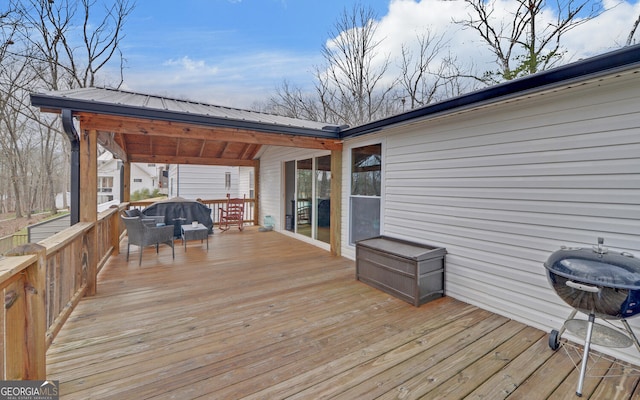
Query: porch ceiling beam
point(108, 140)
point(159, 159)
point(183, 130)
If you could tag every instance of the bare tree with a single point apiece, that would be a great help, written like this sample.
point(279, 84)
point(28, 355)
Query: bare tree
point(293, 101)
point(526, 43)
point(632, 33)
point(64, 44)
point(74, 60)
point(431, 73)
point(351, 84)
point(15, 141)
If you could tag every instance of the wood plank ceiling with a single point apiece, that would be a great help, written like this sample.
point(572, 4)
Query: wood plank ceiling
point(152, 141)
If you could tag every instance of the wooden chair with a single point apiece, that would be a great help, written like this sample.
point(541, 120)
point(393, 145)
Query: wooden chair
point(232, 214)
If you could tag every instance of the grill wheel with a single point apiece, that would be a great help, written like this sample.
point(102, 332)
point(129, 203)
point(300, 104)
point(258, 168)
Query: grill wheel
point(554, 340)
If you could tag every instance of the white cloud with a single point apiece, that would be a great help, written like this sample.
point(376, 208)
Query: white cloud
point(408, 18)
point(608, 31)
point(192, 66)
point(243, 78)
point(237, 81)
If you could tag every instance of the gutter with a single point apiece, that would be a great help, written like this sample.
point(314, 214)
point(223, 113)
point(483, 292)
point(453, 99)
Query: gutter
point(604, 64)
point(74, 141)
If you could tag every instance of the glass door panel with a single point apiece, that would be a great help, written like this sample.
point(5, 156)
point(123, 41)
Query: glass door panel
point(304, 197)
point(323, 198)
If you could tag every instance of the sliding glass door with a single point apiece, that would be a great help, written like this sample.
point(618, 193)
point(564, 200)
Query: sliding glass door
point(308, 197)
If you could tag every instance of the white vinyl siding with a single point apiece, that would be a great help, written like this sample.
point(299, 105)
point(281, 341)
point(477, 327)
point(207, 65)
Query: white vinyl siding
point(244, 182)
point(205, 182)
point(503, 186)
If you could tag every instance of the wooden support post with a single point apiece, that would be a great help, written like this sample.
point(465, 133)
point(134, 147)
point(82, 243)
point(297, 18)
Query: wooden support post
point(256, 192)
point(89, 202)
point(26, 318)
point(89, 176)
point(126, 182)
point(335, 240)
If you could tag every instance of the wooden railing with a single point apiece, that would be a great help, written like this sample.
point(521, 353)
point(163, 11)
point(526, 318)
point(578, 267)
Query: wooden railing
point(41, 285)
point(215, 205)
point(9, 242)
point(250, 216)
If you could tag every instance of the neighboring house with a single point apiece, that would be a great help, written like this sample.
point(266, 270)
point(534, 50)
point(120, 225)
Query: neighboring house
point(210, 182)
point(143, 176)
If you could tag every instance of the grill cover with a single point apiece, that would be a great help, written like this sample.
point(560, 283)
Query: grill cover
point(178, 211)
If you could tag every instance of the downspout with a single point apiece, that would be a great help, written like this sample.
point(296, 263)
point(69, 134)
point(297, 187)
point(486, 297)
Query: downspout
point(121, 170)
point(74, 141)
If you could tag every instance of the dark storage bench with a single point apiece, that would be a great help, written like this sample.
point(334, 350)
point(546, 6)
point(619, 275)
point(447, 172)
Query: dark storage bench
point(410, 271)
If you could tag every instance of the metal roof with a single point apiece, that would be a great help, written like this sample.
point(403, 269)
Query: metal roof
point(144, 128)
point(125, 103)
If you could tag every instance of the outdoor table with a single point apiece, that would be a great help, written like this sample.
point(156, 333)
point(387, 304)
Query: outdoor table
point(194, 232)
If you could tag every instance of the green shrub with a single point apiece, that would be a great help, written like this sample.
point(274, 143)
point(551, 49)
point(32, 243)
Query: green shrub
point(145, 194)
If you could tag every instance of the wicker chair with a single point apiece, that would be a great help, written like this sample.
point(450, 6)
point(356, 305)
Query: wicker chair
point(144, 232)
point(134, 212)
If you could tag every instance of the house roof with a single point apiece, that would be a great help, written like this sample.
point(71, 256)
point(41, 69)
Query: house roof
point(625, 59)
point(153, 129)
point(145, 128)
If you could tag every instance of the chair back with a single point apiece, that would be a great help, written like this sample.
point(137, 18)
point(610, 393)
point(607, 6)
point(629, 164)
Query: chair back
point(135, 229)
point(134, 212)
point(235, 207)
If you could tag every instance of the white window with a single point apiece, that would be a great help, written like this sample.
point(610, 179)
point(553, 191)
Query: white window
point(366, 188)
point(105, 184)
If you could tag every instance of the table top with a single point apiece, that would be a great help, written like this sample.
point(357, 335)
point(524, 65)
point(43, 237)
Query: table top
point(190, 227)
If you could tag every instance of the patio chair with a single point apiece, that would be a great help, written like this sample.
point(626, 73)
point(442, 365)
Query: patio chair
point(158, 220)
point(144, 232)
point(232, 214)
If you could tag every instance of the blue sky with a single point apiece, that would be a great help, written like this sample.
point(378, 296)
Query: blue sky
point(251, 44)
point(236, 52)
point(228, 27)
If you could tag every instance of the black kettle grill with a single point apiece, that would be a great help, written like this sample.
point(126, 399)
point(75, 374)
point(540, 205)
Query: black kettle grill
point(600, 283)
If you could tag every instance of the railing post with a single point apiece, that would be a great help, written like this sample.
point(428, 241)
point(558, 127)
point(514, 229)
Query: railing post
point(114, 225)
point(90, 259)
point(26, 318)
point(256, 193)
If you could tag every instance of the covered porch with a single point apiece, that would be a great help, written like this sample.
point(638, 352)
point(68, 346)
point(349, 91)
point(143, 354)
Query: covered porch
point(264, 316)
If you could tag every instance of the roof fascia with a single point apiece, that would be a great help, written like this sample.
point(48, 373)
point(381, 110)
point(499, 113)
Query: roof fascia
point(605, 64)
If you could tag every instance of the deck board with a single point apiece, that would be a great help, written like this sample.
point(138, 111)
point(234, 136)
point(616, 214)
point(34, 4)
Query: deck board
point(264, 316)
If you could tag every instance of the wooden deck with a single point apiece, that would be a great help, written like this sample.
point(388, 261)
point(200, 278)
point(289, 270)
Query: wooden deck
point(264, 316)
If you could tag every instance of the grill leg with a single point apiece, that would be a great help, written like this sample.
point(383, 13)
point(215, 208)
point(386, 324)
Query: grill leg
point(585, 356)
point(628, 328)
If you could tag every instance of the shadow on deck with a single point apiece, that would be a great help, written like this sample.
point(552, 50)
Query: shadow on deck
point(264, 316)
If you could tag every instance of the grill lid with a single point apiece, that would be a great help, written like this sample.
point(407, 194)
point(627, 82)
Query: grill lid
point(597, 266)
